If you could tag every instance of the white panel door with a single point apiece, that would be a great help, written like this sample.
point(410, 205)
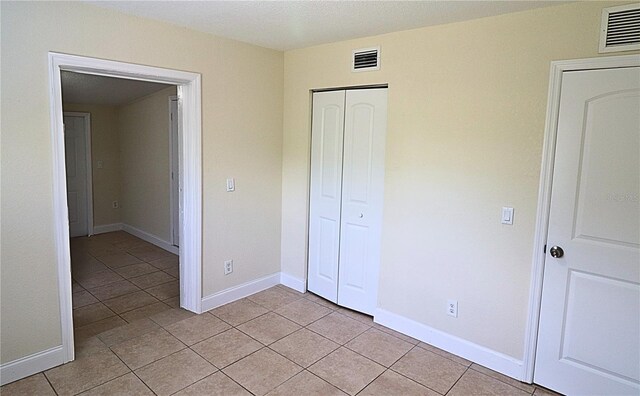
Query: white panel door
point(589, 335)
point(362, 195)
point(76, 162)
point(325, 193)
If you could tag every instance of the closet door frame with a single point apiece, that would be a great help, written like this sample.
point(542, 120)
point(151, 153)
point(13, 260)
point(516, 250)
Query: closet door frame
point(314, 185)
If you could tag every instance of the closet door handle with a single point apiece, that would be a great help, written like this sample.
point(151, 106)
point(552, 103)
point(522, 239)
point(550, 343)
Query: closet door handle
point(361, 215)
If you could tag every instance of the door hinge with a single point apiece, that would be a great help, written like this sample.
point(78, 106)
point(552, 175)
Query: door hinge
point(545, 249)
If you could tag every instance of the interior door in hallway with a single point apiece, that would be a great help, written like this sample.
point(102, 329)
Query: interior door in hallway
point(76, 146)
point(589, 334)
point(347, 180)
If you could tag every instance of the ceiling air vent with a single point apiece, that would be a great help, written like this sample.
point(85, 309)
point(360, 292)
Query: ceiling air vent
point(365, 59)
point(620, 28)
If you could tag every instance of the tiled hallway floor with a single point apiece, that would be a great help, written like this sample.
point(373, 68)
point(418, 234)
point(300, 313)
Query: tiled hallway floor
point(132, 339)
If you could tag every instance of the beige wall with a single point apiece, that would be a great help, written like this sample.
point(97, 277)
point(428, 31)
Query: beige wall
point(145, 179)
point(467, 104)
point(242, 96)
point(104, 147)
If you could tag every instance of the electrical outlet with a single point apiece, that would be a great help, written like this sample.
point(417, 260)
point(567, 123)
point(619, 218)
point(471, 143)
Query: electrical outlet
point(452, 308)
point(228, 267)
point(115, 204)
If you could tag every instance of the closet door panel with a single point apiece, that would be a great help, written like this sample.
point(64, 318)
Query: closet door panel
point(355, 237)
point(362, 196)
point(325, 192)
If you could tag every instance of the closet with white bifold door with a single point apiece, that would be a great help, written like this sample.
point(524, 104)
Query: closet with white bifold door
point(346, 195)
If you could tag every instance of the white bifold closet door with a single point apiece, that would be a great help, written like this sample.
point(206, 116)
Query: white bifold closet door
point(346, 195)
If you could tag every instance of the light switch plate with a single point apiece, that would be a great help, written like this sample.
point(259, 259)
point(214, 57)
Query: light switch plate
point(231, 184)
point(507, 215)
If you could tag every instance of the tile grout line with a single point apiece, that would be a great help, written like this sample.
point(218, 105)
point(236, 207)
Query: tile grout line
point(147, 364)
point(289, 360)
point(411, 379)
point(240, 385)
point(324, 380)
point(386, 367)
point(443, 356)
point(207, 360)
point(371, 382)
point(458, 380)
point(504, 382)
point(171, 354)
point(193, 383)
point(341, 344)
point(44, 373)
point(131, 371)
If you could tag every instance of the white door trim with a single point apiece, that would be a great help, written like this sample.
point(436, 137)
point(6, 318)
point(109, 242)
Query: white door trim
point(174, 158)
point(189, 108)
point(87, 138)
point(544, 191)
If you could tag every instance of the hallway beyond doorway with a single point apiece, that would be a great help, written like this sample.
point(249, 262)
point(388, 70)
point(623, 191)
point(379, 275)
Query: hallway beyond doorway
point(119, 278)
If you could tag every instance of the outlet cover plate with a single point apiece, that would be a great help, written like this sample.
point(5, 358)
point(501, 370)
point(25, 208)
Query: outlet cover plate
point(452, 308)
point(228, 267)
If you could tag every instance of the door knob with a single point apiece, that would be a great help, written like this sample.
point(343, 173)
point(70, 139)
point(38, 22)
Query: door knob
point(556, 252)
point(361, 215)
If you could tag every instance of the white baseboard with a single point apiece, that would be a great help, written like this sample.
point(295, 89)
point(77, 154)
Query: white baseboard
point(32, 364)
point(241, 291)
point(101, 229)
point(494, 360)
point(293, 282)
point(150, 238)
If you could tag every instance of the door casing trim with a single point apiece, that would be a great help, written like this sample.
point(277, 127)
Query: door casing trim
point(174, 159)
point(544, 191)
point(189, 110)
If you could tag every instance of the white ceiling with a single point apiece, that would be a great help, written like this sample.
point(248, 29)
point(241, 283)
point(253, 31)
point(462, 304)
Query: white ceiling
point(285, 25)
point(89, 89)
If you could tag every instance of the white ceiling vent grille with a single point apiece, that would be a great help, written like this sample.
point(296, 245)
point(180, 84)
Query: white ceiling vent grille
point(365, 59)
point(620, 29)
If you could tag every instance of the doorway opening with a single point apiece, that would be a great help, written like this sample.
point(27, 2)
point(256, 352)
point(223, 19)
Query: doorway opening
point(187, 92)
point(117, 155)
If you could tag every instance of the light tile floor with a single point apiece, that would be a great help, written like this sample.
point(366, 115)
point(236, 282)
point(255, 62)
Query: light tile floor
point(133, 339)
